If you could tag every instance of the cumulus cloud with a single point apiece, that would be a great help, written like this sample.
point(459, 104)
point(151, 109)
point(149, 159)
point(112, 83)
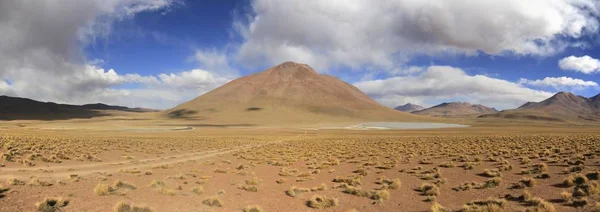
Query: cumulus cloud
point(357, 33)
point(560, 83)
point(41, 56)
point(444, 84)
point(584, 64)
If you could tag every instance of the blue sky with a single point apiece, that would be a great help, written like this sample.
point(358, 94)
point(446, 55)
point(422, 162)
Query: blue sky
point(159, 53)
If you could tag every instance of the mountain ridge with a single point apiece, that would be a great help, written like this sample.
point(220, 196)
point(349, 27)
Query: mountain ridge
point(456, 109)
point(18, 108)
point(409, 107)
point(562, 106)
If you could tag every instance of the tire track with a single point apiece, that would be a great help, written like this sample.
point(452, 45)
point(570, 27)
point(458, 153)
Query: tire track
point(115, 166)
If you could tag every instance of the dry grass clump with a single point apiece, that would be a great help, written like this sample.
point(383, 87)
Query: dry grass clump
point(117, 188)
point(566, 197)
point(447, 164)
point(51, 204)
point(540, 205)
point(536, 204)
point(487, 184)
point(586, 189)
point(249, 188)
point(253, 181)
point(489, 205)
point(157, 183)
point(353, 181)
point(15, 182)
point(361, 172)
point(390, 183)
point(527, 182)
point(3, 190)
point(437, 207)
point(321, 187)
point(466, 186)
point(491, 183)
point(322, 202)
point(253, 208)
point(543, 176)
point(348, 189)
point(198, 190)
point(429, 189)
point(295, 191)
point(594, 175)
point(281, 180)
point(576, 179)
point(123, 185)
point(491, 173)
point(161, 188)
point(103, 189)
point(213, 201)
point(536, 169)
point(130, 171)
point(122, 206)
point(222, 171)
point(286, 172)
point(37, 182)
point(379, 195)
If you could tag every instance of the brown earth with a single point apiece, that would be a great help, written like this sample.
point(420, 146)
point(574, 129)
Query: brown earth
point(229, 162)
point(289, 93)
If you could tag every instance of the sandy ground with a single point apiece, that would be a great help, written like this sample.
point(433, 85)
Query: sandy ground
point(229, 162)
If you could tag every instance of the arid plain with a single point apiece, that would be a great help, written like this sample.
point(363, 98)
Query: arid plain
point(139, 165)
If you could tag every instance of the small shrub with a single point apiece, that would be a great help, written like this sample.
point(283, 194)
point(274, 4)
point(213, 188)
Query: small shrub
point(103, 189)
point(489, 205)
point(295, 191)
point(253, 181)
point(213, 201)
point(491, 173)
point(437, 207)
point(253, 208)
point(51, 204)
point(430, 190)
point(322, 202)
point(198, 190)
point(128, 207)
point(566, 196)
point(491, 183)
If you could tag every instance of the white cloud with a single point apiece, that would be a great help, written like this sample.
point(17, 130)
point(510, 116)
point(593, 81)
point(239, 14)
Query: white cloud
point(94, 84)
point(212, 59)
point(41, 56)
point(357, 33)
point(560, 83)
point(443, 84)
point(584, 64)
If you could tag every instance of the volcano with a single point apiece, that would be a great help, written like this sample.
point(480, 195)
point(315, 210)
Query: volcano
point(287, 93)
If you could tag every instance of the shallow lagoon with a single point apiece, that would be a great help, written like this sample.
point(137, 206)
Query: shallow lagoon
point(403, 125)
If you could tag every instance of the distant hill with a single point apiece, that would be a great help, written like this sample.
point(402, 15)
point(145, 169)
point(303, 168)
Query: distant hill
point(409, 108)
point(451, 109)
point(562, 106)
point(15, 108)
point(100, 106)
point(288, 93)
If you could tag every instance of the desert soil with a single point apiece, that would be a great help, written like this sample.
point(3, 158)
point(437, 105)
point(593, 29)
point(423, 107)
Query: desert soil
point(281, 169)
